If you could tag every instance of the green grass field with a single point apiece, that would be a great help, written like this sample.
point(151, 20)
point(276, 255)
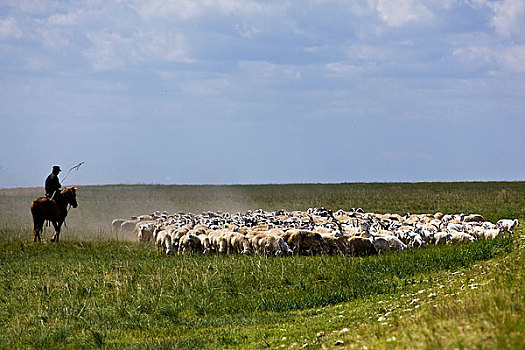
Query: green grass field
point(93, 290)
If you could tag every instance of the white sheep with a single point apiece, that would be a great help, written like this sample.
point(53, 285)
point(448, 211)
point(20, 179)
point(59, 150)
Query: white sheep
point(507, 225)
point(163, 242)
point(145, 233)
point(441, 237)
point(387, 242)
point(460, 237)
point(116, 224)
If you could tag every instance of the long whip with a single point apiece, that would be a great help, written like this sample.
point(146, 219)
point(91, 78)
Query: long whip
point(74, 167)
point(67, 173)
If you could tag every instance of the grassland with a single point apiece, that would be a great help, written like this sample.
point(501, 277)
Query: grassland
point(94, 291)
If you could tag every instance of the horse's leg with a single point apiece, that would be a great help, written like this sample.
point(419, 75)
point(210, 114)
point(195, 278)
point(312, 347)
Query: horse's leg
point(57, 231)
point(37, 229)
point(57, 226)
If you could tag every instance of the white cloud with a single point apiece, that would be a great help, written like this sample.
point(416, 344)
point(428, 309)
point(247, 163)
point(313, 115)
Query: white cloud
point(118, 50)
point(510, 59)
point(480, 54)
point(152, 45)
point(513, 59)
point(206, 88)
point(190, 9)
point(9, 28)
point(397, 13)
point(107, 50)
point(367, 53)
point(260, 70)
point(509, 17)
point(341, 69)
point(61, 19)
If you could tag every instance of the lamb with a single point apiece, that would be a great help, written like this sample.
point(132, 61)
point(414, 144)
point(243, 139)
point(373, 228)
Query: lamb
point(507, 225)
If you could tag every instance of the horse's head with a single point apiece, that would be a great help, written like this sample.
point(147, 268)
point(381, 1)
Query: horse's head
point(70, 194)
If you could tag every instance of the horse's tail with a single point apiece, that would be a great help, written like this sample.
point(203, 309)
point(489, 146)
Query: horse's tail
point(35, 210)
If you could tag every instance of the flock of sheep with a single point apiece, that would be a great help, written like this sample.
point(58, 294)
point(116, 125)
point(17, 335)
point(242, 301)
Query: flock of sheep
point(312, 232)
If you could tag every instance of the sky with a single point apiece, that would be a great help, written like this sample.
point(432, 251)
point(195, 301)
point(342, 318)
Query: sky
point(250, 92)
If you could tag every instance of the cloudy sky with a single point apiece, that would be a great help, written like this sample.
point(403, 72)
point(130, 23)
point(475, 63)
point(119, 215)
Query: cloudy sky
point(245, 91)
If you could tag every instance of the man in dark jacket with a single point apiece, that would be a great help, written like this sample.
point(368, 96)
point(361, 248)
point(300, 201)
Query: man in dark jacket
point(52, 183)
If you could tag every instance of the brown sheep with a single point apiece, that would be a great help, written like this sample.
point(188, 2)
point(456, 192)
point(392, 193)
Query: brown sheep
point(361, 246)
point(305, 242)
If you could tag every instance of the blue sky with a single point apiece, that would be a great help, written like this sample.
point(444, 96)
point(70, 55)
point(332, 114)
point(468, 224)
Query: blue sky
point(224, 91)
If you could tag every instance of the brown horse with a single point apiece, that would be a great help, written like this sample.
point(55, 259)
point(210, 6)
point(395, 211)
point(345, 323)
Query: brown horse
point(54, 210)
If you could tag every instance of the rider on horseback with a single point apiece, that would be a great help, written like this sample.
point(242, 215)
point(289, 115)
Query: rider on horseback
point(53, 184)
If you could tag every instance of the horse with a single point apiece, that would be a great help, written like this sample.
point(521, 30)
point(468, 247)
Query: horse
point(54, 210)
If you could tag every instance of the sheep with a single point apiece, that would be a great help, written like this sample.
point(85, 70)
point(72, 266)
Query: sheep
point(190, 243)
point(239, 243)
point(411, 238)
point(205, 243)
point(507, 225)
point(417, 241)
point(455, 227)
point(145, 233)
point(441, 237)
point(335, 245)
point(116, 224)
point(270, 245)
point(219, 242)
point(129, 225)
point(387, 243)
point(473, 218)
point(460, 237)
point(438, 215)
point(163, 242)
point(489, 225)
point(361, 246)
point(492, 233)
point(317, 231)
point(305, 242)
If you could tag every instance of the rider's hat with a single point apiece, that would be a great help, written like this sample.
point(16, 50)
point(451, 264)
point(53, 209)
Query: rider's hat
point(56, 167)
